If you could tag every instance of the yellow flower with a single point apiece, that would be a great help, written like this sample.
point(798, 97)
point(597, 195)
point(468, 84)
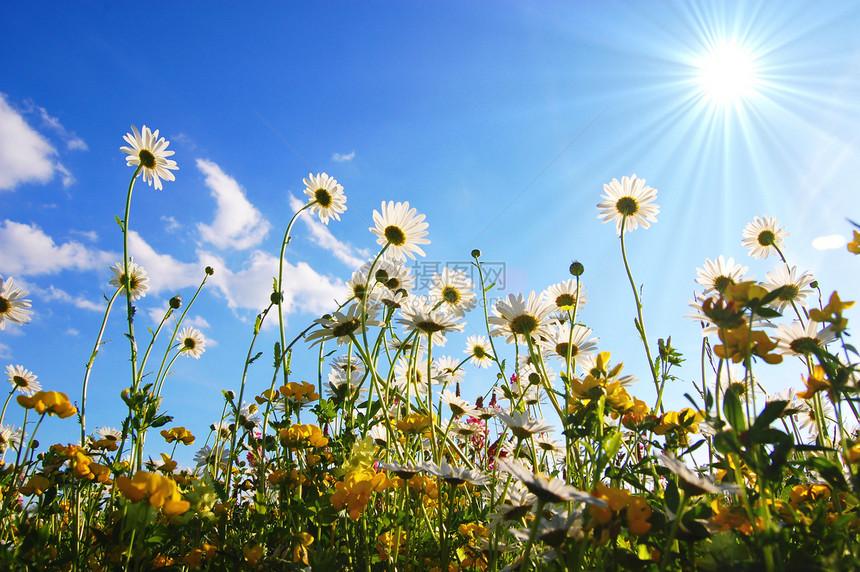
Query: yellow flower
point(300, 435)
point(354, 491)
point(300, 548)
point(303, 392)
point(161, 492)
point(854, 245)
point(815, 383)
point(180, 434)
point(852, 453)
point(832, 313)
point(414, 423)
point(51, 402)
point(740, 343)
point(685, 421)
point(35, 486)
point(253, 553)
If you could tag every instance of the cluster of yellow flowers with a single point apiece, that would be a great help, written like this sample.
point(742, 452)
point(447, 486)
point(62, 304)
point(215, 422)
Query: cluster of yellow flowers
point(161, 492)
point(635, 517)
point(51, 402)
point(180, 434)
point(299, 435)
point(354, 491)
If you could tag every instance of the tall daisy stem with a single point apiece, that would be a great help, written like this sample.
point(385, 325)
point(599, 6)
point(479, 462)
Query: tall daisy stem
point(279, 287)
point(90, 368)
point(127, 279)
point(640, 323)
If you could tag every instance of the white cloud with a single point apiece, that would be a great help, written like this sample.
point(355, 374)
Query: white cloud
point(164, 271)
point(343, 158)
point(25, 156)
point(828, 242)
point(5, 352)
point(54, 293)
point(323, 237)
point(238, 224)
point(90, 235)
point(25, 250)
point(73, 142)
point(68, 178)
point(170, 224)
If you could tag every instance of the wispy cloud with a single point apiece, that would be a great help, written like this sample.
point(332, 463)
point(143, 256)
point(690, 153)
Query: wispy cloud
point(238, 224)
point(25, 156)
point(170, 224)
point(25, 250)
point(829, 242)
point(322, 236)
point(72, 141)
point(339, 158)
point(5, 352)
point(90, 235)
point(164, 271)
point(54, 293)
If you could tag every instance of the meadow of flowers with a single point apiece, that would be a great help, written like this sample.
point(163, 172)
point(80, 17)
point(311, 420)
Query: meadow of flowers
point(379, 462)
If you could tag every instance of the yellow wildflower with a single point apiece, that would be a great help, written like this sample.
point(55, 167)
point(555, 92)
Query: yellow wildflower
point(161, 492)
point(832, 313)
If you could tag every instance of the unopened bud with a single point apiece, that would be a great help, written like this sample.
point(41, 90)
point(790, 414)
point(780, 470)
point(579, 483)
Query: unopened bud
point(176, 302)
point(576, 268)
point(476, 253)
point(210, 271)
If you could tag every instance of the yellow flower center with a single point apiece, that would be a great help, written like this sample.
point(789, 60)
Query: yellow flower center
point(766, 238)
point(189, 343)
point(562, 349)
point(5, 306)
point(450, 295)
point(566, 300)
point(346, 328)
point(627, 206)
point(479, 352)
point(395, 235)
point(20, 381)
point(722, 282)
point(323, 197)
point(147, 159)
point(524, 324)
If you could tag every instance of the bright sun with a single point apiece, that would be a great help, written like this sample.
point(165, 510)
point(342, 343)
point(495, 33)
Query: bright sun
point(727, 74)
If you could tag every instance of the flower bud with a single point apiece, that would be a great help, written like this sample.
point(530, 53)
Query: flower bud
point(476, 253)
point(210, 271)
point(176, 302)
point(576, 268)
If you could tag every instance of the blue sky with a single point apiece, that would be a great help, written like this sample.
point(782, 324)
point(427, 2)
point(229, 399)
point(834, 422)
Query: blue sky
point(500, 121)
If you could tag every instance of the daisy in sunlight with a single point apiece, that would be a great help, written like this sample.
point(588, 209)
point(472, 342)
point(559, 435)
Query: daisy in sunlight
point(719, 274)
point(192, 342)
point(763, 236)
point(139, 283)
point(149, 153)
point(326, 196)
point(629, 203)
point(401, 228)
point(13, 306)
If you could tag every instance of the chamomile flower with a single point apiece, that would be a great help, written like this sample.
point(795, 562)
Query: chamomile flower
point(518, 316)
point(326, 196)
point(10, 437)
point(718, 274)
point(418, 315)
point(13, 306)
point(693, 484)
point(457, 405)
point(340, 326)
point(449, 370)
point(149, 152)
point(401, 228)
point(454, 475)
point(798, 339)
point(522, 426)
point(137, 285)
point(480, 351)
point(630, 203)
point(794, 288)
point(564, 296)
point(394, 275)
point(192, 342)
point(454, 290)
point(547, 489)
point(763, 236)
point(563, 343)
point(23, 380)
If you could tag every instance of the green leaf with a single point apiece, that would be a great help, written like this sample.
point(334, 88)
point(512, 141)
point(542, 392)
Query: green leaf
point(672, 497)
point(733, 411)
point(611, 445)
point(161, 420)
point(769, 414)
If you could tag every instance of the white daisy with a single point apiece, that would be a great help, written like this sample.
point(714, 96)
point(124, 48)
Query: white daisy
point(718, 274)
point(794, 287)
point(394, 275)
point(454, 291)
point(418, 315)
point(192, 342)
point(547, 489)
point(10, 437)
point(693, 484)
point(23, 380)
point(763, 236)
point(563, 343)
point(629, 202)
point(480, 350)
point(401, 228)
point(340, 326)
point(13, 306)
point(797, 339)
point(454, 475)
point(522, 426)
point(457, 405)
point(517, 316)
point(148, 151)
point(326, 195)
point(449, 370)
point(139, 283)
point(564, 296)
